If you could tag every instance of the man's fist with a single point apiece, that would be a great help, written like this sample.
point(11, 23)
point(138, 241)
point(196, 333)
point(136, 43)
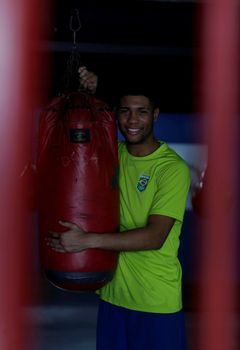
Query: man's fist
point(88, 80)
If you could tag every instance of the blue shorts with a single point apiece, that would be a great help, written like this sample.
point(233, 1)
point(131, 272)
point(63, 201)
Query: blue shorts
point(123, 329)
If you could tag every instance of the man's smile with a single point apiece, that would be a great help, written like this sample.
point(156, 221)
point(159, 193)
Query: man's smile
point(133, 131)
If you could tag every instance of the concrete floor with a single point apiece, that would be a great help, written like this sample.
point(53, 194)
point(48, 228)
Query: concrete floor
point(63, 320)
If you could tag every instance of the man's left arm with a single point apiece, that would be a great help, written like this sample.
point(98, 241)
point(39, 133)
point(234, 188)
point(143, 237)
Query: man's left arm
point(149, 237)
point(168, 205)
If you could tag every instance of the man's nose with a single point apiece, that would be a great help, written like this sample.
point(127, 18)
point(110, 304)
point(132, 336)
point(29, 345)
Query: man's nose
point(133, 117)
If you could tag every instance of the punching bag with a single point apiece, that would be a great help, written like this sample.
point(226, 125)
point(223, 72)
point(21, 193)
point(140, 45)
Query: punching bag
point(78, 182)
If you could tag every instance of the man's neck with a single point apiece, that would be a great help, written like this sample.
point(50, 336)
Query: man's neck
point(142, 150)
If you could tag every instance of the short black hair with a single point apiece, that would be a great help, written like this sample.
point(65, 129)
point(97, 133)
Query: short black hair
point(137, 93)
point(137, 86)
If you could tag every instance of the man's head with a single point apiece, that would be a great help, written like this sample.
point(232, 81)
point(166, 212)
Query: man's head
point(136, 115)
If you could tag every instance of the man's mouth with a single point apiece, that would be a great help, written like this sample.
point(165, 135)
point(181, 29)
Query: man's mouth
point(133, 131)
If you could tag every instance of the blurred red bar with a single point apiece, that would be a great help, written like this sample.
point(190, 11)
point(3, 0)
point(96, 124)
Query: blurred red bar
point(217, 294)
point(18, 23)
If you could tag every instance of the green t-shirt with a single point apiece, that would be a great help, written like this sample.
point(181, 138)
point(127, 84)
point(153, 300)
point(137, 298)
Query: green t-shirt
point(150, 280)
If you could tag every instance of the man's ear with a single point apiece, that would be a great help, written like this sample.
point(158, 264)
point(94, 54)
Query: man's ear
point(156, 114)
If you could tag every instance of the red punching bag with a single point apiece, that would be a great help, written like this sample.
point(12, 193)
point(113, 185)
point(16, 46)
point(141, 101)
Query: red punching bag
point(78, 182)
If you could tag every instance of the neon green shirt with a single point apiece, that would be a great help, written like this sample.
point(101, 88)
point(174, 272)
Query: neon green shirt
point(150, 280)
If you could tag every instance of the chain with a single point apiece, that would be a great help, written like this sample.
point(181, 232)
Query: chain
point(70, 80)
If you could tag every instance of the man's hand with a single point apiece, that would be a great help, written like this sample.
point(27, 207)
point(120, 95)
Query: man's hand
point(88, 80)
point(71, 241)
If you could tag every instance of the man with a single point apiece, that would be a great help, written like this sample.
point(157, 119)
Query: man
point(140, 308)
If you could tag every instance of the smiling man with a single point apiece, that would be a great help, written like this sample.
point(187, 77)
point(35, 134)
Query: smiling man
point(136, 115)
point(141, 307)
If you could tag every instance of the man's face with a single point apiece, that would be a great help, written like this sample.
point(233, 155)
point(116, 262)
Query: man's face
point(135, 119)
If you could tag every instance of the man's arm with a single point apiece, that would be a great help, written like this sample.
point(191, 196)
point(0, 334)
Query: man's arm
point(150, 237)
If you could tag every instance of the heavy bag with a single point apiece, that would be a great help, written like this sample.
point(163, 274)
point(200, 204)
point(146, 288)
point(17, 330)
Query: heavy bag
point(78, 182)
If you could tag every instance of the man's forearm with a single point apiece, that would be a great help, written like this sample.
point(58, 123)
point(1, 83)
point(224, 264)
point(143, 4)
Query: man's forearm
point(133, 240)
point(147, 238)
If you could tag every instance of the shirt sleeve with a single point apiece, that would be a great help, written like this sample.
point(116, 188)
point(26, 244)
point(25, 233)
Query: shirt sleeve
point(172, 186)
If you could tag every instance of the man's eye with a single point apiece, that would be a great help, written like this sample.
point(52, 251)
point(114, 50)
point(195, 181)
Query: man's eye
point(143, 111)
point(123, 110)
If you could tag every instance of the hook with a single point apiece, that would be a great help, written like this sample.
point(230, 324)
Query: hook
point(78, 27)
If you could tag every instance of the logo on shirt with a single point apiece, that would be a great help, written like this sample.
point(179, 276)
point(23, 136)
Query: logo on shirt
point(142, 182)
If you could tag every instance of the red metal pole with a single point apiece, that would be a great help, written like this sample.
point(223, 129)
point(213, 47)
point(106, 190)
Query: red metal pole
point(217, 294)
point(18, 23)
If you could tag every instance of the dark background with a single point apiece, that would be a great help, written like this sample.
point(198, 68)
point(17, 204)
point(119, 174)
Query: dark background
point(150, 42)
